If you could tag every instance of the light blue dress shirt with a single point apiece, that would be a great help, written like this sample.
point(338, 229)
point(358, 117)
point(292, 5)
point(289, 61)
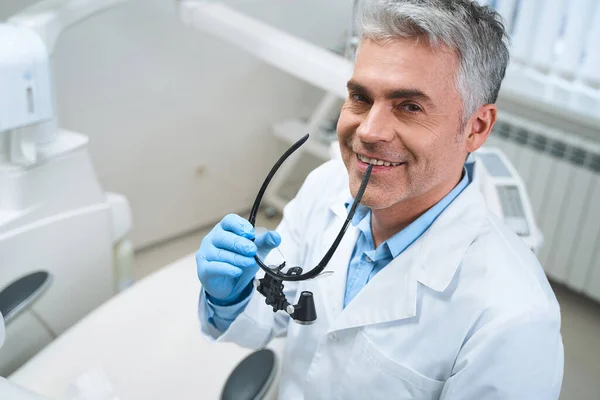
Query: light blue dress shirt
point(366, 261)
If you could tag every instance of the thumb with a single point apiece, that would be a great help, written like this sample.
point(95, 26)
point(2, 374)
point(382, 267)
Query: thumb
point(267, 242)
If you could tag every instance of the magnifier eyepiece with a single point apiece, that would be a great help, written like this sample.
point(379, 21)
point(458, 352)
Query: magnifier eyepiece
point(305, 311)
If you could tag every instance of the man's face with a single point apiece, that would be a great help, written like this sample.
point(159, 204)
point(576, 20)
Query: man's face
point(403, 108)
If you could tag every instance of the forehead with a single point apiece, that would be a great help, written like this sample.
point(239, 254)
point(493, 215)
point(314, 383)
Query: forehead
point(402, 63)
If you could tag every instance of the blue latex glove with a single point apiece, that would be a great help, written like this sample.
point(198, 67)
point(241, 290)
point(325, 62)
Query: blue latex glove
point(225, 261)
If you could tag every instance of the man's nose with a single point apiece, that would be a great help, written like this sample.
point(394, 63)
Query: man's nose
point(377, 125)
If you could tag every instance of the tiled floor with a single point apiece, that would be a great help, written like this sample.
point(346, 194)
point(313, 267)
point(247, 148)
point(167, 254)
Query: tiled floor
point(580, 323)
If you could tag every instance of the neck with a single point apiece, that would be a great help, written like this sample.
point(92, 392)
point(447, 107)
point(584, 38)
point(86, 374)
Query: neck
point(386, 222)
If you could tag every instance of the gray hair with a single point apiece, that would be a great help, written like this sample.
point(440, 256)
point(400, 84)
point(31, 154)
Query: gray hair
point(476, 33)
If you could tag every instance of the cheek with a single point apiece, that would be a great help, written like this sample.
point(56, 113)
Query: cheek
point(429, 148)
point(345, 129)
point(344, 125)
point(419, 145)
point(435, 162)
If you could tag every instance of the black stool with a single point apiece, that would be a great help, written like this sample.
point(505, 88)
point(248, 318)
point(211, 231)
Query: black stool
point(252, 377)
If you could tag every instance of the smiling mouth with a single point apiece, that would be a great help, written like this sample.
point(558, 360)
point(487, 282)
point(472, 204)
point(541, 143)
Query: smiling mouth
point(374, 161)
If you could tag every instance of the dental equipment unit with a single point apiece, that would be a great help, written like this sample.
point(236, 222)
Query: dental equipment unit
point(55, 216)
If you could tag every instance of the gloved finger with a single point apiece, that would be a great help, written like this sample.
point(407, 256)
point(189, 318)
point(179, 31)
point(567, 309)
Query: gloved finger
point(230, 241)
point(268, 240)
point(217, 269)
point(238, 225)
point(225, 256)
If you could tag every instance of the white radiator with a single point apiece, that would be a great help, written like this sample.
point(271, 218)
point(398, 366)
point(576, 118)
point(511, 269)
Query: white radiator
point(562, 175)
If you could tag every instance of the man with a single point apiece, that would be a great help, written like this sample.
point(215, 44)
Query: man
point(431, 296)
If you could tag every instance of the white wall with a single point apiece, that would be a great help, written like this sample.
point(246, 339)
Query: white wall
point(159, 100)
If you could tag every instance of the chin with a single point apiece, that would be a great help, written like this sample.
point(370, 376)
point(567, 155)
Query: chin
point(376, 199)
point(377, 203)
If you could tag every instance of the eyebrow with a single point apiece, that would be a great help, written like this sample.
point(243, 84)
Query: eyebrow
point(402, 93)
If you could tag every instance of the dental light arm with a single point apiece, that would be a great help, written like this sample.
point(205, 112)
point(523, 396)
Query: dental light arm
point(298, 57)
point(27, 113)
point(271, 286)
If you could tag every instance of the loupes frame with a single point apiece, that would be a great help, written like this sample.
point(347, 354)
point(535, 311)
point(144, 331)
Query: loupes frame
point(295, 273)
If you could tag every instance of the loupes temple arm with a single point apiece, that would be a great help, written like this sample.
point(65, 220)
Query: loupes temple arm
point(265, 184)
point(321, 266)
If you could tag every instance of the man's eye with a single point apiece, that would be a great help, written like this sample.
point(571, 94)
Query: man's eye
point(359, 97)
point(411, 107)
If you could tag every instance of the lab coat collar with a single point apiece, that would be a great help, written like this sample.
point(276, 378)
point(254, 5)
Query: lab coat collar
point(338, 206)
point(431, 260)
point(444, 244)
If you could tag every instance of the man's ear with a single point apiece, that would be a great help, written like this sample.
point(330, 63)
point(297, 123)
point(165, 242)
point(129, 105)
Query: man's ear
point(479, 126)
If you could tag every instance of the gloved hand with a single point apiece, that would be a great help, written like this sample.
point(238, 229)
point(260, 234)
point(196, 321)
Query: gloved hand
point(225, 261)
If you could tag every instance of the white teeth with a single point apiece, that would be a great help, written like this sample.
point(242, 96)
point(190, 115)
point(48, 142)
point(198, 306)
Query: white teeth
point(376, 162)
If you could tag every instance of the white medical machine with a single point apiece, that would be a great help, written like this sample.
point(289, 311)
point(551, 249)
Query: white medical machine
point(505, 193)
point(63, 239)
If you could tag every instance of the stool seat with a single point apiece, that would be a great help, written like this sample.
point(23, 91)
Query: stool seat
point(252, 377)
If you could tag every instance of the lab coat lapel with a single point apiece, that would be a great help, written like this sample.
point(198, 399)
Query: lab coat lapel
point(392, 290)
point(390, 296)
point(445, 243)
point(334, 287)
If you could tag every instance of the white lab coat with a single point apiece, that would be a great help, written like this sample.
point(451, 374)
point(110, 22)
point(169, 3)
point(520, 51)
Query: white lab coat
point(465, 312)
